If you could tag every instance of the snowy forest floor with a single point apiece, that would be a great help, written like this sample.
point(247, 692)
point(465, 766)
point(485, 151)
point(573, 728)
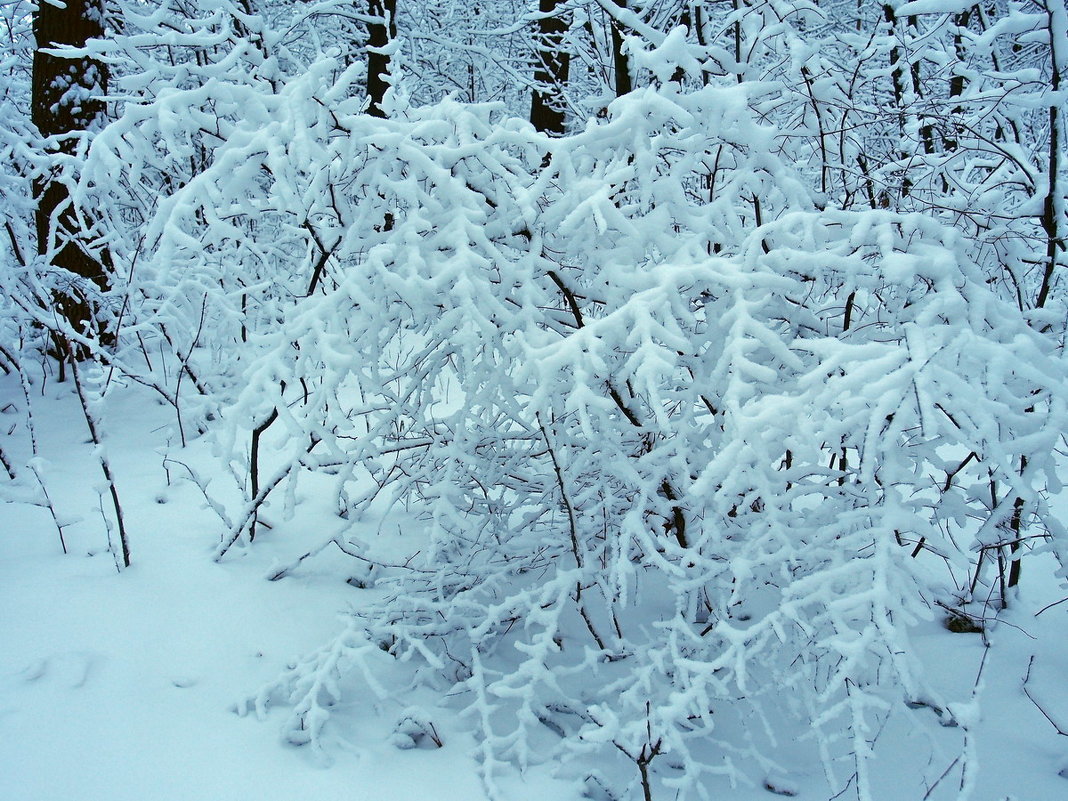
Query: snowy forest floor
point(124, 686)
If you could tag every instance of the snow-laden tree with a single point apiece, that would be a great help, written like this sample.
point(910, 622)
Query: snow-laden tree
point(16, 155)
point(680, 436)
point(984, 145)
point(692, 409)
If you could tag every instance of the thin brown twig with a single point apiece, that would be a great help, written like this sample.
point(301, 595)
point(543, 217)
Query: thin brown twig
point(573, 529)
point(1050, 606)
point(1038, 706)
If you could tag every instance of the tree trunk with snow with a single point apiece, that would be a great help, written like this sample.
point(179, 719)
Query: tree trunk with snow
point(621, 63)
point(66, 100)
point(379, 34)
point(552, 66)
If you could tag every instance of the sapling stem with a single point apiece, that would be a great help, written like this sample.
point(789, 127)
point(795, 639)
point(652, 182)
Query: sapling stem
point(31, 427)
point(105, 467)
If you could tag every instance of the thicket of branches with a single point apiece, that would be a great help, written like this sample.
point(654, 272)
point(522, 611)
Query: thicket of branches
point(710, 394)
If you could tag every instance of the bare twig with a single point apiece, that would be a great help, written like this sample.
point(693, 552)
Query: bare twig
point(678, 517)
point(34, 464)
point(9, 363)
point(7, 465)
point(1038, 706)
point(324, 256)
point(202, 485)
point(186, 371)
point(238, 531)
point(938, 781)
point(1050, 606)
point(15, 244)
point(575, 548)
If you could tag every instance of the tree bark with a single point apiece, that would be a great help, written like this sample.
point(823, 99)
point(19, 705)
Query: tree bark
point(379, 34)
point(551, 72)
point(621, 63)
point(66, 99)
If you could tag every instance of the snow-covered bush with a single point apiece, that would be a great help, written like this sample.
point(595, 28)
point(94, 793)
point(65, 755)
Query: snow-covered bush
point(674, 451)
point(683, 428)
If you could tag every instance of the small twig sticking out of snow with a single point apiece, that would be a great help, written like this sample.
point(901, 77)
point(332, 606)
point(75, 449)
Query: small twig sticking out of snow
point(107, 531)
point(938, 781)
point(202, 485)
point(252, 508)
point(254, 465)
point(335, 539)
point(1038, 706)
point(842, 792)
point(1050, 606)
point(776, 788)
point(8, 364)
point(5, 462)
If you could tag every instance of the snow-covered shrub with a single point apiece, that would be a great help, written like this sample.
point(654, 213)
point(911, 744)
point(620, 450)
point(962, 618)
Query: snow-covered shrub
point(674, 453)
point(681, 432)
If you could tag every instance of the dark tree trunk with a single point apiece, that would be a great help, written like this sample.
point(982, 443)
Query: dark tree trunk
point(1052, 222)
point(890, 15)
point(551, 72)
point(379, 34)
point(897, 75)
point(65, 99)
point(622, 65)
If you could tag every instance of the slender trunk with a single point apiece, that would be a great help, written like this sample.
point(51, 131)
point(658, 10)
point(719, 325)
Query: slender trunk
point(624, 84)
point(890, 15)
point(897, 75)
point(958, 82)
point(1051, 220)
point(379, 34)
point(551, 71)
point(254, 465)
point(105, 465)
point(926, 129)
point(736, 29)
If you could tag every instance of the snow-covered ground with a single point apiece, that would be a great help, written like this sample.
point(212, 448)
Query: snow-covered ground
point(117, 686)
point(124, 686)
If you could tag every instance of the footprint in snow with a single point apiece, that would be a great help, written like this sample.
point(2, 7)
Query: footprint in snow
point(70, 669)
